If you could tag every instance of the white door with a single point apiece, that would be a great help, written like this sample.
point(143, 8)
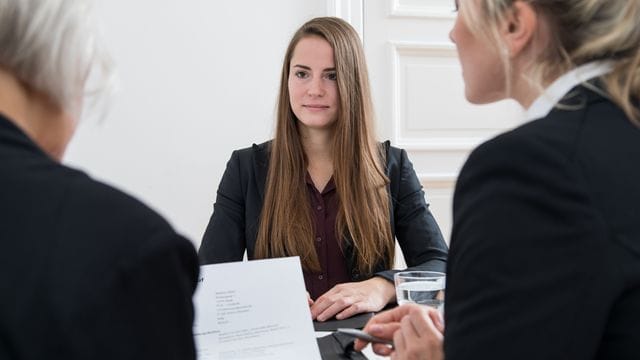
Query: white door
point(419, 93)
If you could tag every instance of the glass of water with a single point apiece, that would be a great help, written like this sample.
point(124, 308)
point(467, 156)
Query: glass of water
point(420, 287)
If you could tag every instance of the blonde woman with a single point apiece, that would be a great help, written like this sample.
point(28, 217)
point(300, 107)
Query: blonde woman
point(545, 251)
point(324, 189)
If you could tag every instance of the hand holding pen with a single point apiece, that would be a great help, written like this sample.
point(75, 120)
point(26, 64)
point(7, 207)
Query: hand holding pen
point(416, 330)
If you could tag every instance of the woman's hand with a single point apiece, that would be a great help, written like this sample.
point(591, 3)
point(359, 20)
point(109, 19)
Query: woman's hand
point(349, 299)
point(309, 300)
point(416, 330)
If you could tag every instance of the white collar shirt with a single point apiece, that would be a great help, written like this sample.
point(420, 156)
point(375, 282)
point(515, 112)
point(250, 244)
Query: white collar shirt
point(543, 105)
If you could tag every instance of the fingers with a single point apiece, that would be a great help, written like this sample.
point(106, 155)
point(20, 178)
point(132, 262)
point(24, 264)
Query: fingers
point(325, 306)
point(436, 318)
point(411, 328)
point(418, 321)
point(393, 315)
point(309, 300)
point(322, 303)
point(337, 306)
point(359, 344)
point(382, 349)
point(418, 336)
point(416, 331)
point(352, 298)
point(345, 300)
point(384, 324)
point(355, 308)
point(399, 343)
point(405, 341)
point(383, 331)
point(343, 307)
point(419, 326)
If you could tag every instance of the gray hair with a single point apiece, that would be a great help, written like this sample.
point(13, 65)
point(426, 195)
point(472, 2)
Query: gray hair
point(52, 47)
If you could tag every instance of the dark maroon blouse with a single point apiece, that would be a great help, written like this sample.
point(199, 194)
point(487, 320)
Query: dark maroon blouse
point(333, 265)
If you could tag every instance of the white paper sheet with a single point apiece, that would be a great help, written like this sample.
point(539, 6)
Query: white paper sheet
point(253, 310)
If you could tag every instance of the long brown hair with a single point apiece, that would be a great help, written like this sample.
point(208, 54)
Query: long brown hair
point(581, 31)
point(286, 227)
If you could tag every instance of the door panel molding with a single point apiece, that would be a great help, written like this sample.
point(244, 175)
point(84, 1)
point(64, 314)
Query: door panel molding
point(414, 9)
point(352, 11)
point(425, 123)
point(438, 180)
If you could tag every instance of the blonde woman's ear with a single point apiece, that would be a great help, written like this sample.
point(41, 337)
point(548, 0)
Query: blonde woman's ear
point(520, 26)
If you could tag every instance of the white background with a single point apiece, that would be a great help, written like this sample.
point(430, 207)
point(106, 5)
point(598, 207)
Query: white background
point(198, 78)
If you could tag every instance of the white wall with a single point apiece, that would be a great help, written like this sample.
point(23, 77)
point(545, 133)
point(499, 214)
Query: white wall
point(198, 78)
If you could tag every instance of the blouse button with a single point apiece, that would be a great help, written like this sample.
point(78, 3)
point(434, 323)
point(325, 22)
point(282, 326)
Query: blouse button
point(319, 207)
point(318, 239)
point(320, 277)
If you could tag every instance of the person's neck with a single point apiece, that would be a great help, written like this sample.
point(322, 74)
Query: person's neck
point(318, 147)
point(13, 100)
point(523, 90)
point(317, 144)
point(35, 115)
point(526, 97)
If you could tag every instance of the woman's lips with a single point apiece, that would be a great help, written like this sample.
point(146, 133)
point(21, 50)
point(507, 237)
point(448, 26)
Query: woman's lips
point(315, 107)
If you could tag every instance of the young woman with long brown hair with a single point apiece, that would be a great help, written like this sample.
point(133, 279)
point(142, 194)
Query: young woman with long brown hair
point(324, 189)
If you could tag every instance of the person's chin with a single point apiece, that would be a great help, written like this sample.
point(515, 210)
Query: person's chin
point(317, 124)
point(481, 98)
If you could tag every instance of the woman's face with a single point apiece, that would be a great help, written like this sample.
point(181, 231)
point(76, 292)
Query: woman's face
point(313, 90)
point(482, 66)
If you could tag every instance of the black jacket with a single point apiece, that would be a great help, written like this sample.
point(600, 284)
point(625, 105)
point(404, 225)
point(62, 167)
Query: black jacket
point(86, 272)
point(545, 250)
point(234, 224)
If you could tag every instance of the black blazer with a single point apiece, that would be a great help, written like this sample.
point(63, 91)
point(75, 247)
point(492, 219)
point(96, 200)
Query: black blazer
point(545, 250)
point(86, 272)
point(234, 224)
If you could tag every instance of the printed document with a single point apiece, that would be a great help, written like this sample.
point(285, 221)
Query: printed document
point(253, 310)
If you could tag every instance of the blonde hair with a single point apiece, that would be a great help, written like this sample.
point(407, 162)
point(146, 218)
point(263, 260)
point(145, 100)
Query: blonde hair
point(580, 31)
point(285, 222)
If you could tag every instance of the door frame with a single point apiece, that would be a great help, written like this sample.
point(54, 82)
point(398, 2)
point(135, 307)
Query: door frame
point(352, 11)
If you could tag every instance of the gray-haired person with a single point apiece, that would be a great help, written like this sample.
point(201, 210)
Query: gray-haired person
point(86, 271)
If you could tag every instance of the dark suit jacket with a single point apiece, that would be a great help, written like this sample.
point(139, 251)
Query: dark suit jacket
point(86, 272)
point(545, 250)
point(234, 224)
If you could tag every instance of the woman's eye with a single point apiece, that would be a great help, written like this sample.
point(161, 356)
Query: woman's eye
point(331, 76)
point(301, 74)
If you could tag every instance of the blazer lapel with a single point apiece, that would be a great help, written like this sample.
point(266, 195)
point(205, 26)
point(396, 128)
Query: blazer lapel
point(261, 165)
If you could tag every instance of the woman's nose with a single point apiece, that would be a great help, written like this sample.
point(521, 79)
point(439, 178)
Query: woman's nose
point(316, 88)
